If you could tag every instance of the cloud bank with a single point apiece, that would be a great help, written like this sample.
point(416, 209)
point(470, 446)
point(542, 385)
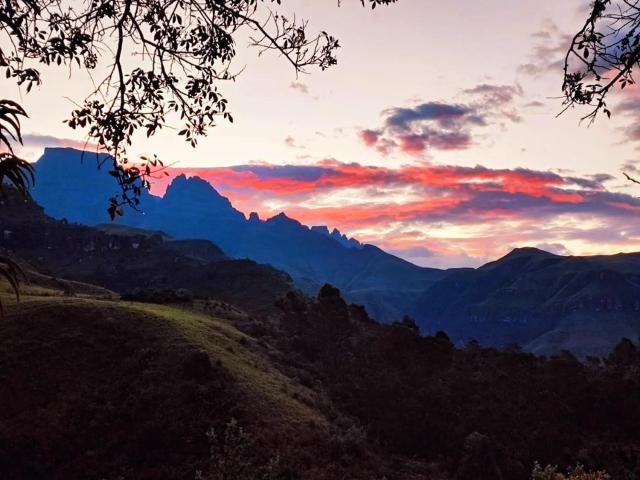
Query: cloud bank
point(442, 215)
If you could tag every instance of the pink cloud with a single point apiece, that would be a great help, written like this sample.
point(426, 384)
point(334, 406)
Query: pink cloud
point(425, 195)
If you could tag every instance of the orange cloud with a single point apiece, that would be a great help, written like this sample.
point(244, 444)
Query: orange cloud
point(488, 210)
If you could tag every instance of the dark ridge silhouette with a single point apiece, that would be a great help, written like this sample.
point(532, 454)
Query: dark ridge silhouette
point(132, 261)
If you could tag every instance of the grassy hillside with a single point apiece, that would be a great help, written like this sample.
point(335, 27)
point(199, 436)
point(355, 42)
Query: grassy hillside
point(276, 397)
point(95, 388)
point(99, 388)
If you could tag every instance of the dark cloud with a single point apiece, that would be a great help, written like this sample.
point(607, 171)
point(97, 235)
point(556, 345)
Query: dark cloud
point(301, 173)
point(444, 126)
point(300, 87)
point(370, 137)
point(445, 116)
point(547, 56)
point(534, 104)
point(632, 167)
point(496, 94)
point(601, 178)
point(630, 105)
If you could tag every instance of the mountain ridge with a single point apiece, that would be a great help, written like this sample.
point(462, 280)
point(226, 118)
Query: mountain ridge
point(192, 208)
point(586, 304)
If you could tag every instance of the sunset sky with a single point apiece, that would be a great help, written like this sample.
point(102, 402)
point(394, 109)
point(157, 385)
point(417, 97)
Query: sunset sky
point(435, 137)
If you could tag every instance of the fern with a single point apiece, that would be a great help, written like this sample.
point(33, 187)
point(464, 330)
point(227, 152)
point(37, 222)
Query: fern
point(14, 171)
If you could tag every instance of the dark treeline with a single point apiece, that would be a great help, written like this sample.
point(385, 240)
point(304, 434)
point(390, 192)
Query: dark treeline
point(479, 413)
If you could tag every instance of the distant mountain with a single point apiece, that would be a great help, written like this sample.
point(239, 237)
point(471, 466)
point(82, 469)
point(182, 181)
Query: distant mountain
point(541, 301)
point(191, 208)
point(71, 184)
point(337, 236)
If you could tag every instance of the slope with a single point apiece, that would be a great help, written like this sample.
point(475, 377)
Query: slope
point(98, 389)
point(541, 301)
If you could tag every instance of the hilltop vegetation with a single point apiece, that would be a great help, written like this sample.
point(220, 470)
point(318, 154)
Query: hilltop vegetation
point(469, 410)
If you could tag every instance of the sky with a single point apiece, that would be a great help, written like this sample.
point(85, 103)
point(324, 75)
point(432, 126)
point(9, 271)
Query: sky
point(436, 136)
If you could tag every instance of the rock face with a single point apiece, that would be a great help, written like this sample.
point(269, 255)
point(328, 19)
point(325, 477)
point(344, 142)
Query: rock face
point(71, 184)
point(337, 236)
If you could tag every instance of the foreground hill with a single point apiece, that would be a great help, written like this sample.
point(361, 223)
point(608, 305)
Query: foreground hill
point(69, 186)
point(543, 302)
point(106, 389)
point(99, 389)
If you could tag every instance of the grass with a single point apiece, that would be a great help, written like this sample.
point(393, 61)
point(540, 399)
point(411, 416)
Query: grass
point(275, 395)
point(267, 386)
point(39, 285)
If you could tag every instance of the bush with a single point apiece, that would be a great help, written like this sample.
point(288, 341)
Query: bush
point(577, 473)
point(232, 456)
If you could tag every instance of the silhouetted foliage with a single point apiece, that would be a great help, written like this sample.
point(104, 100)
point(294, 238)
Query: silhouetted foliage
point(479, 459)
point(14, 171)
point(232, 456)
point(603, 55)
point(184, 50)
point(578, 473)
point(478, 412)
point(409, 323)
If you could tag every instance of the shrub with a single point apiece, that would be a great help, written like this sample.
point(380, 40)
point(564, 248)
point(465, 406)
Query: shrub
point(577, 473)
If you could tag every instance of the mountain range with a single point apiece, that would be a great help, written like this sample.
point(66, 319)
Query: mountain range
point(537, 300)
point(70, 186)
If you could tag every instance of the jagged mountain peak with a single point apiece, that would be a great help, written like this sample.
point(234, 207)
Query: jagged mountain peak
point(192, 208)
point(337, 235)
point(191, 185)
point(283, 218)
point(322, 229)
